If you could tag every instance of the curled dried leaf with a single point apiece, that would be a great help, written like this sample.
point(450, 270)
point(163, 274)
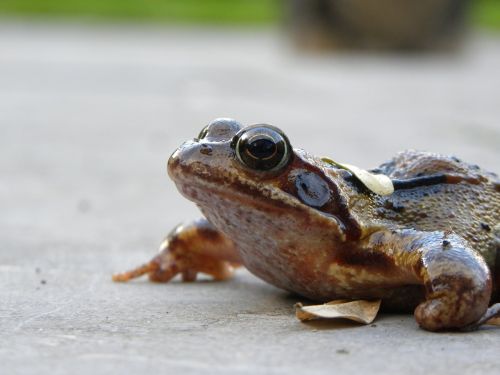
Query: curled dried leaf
point(378, 183)
point(360, 311)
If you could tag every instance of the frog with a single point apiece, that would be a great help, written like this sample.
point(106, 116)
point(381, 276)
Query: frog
point(312, 228)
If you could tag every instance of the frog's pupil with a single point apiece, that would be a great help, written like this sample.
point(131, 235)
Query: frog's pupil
point(262, 148)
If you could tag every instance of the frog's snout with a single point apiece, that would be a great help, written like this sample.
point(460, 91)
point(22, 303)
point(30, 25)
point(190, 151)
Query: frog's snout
point(196, 157)
point(182, 156)
point(209, 149)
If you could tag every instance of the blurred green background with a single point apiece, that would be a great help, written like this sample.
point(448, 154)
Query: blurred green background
point(485, 13)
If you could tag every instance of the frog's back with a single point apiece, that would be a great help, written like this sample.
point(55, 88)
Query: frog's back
point(470, 207)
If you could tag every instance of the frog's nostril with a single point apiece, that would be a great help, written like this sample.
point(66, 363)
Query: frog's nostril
point(182, 156)
point(206, 150)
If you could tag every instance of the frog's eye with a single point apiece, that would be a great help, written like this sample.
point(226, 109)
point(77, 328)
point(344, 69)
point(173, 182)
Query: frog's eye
point(262, 147)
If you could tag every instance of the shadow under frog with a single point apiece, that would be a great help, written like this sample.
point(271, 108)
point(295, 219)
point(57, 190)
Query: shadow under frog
point(313, 228)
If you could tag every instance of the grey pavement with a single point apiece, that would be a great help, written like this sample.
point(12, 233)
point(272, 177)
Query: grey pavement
point(88, 118)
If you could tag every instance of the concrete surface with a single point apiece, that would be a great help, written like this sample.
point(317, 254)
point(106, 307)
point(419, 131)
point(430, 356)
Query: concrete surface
point(88, 117)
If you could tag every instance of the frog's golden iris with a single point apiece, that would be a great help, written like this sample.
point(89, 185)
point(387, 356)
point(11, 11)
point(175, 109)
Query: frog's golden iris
point(262, 147)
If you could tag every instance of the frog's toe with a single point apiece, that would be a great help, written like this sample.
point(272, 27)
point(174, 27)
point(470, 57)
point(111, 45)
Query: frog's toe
point(148, 268)
point(165, 271)
point(188, 266)
point(156, 269)
point(429, 315)
point(218, 269)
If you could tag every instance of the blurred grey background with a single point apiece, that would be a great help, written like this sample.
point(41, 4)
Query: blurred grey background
point(94, 97)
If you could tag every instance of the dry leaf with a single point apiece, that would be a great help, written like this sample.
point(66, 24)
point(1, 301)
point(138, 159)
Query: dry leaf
point(494, 322)
point(360, 311)
point(378, 183)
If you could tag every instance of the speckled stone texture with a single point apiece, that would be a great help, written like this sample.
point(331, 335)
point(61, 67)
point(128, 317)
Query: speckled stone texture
point(88, 118)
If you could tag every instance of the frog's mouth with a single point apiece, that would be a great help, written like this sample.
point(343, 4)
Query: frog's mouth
point(195, 185)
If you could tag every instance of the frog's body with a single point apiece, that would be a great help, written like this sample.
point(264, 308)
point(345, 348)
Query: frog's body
point(309, 227)
point(470, 209)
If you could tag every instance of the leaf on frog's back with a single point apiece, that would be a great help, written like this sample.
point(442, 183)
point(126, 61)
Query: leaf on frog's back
point(378, 183)
point(360, 311)
point(494, 322)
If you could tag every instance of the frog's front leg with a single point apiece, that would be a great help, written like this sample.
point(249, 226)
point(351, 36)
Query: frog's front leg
point(457, 280)
point(187, 250)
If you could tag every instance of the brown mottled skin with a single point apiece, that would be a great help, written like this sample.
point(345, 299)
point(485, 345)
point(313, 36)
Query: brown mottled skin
point(432, 247)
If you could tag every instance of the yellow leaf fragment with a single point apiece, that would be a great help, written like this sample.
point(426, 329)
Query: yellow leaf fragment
point(360, 311)
point(378, 183)
point(494, 322)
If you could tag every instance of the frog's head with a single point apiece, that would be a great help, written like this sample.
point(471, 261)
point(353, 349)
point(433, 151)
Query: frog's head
point(250, 179)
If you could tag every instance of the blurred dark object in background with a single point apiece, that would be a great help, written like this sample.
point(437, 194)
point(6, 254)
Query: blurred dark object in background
point(377, 24)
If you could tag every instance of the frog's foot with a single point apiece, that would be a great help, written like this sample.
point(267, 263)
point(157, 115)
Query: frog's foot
point(457, 281)
point(187, 250)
